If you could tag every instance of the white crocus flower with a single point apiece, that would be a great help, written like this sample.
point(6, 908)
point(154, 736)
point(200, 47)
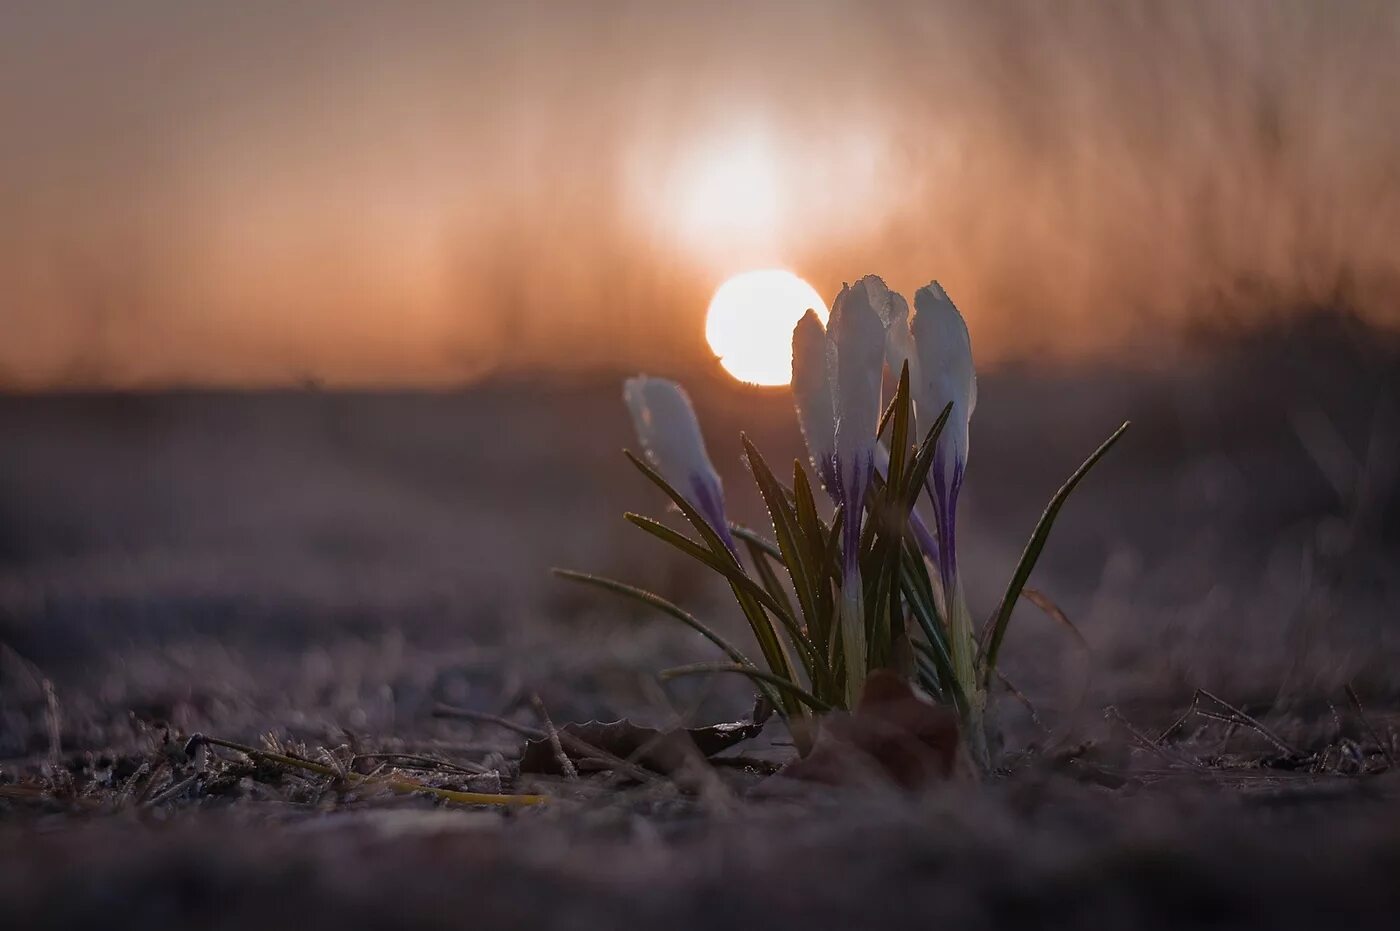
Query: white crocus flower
point(899, 352)
point(670, 436)
point(813, 397)
point(856, 357)
point(899, 341)
point(816, 406)
point(946, 376)
point(855, 352)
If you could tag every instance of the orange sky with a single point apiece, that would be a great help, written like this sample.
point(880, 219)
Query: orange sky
point(262, 193)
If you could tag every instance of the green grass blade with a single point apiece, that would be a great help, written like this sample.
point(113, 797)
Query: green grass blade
point(918, 593)
point(809, 522)
point(757, 539)
point(660, 604)
point(1002, 617)
point(734, 574)
point(697, 520)
point(935, 638)
point(885, 418)
point(923, 460)
point(812, 661)
point(813, 535)
point(767, 635)
point(879, 623)
point(786, 686)
point(784, 518)
point(652, 600)
point(925, 672)
point(832, 547)
point(899, 436)
point(917, 570)
point(774, 651)
point(768, 577)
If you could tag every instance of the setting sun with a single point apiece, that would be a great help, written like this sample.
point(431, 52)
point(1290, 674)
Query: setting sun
point(750, 320)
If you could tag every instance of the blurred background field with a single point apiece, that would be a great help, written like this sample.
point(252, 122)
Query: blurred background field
point(349, 558)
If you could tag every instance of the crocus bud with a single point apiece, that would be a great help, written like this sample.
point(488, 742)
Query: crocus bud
point(812, 395)
point(857, 341)
point(670, 436)
point(899, 340)
point(946, 374)
point(856, 359)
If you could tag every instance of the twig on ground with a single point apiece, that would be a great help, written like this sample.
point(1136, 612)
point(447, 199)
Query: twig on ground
point(393, 783)
point(156, 772)
point(418, 761)
point(1155, 746)
point(172, 792)
point(128, 785)
point(1231, 715)
point(1238, 716)
point(1225, 736)
point(53, 721)
point(566, 765)
point(1021, 697)
point(1366, 723)
point(582, 748)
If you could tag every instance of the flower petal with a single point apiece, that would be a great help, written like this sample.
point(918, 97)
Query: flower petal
point(812, 395)
point(857, 336)
point(899, 340)
point(946, 373)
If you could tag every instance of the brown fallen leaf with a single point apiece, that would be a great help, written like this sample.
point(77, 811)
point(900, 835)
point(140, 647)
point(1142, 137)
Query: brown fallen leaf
point(659, 751)
point(895, 737)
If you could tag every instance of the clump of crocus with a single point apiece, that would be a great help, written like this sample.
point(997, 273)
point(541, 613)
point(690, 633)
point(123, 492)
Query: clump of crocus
point(830, 600)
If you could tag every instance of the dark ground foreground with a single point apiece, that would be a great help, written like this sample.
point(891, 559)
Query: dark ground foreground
point(320, 572)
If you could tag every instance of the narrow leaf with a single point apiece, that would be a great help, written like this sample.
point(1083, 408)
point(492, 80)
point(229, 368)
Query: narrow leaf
point(758, 540)
point(768, 577)
point(734, 574)
point(784, 518)
point(764, 631)
point(885, 418)
point(661, 604)
point(813, 540)
point(784, 685)
point(697, 520)
point(899, 437)
point(1032, 553)
point(923, 460)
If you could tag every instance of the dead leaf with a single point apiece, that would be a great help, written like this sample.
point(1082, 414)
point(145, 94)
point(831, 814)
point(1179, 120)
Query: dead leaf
point(894, 737)
point(660, 751)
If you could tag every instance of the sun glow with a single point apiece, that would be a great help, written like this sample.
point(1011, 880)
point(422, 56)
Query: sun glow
point(730, 190)
point(750, 320)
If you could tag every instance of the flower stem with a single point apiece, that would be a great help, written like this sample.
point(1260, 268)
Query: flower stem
point(853, 634)
point(963, 647)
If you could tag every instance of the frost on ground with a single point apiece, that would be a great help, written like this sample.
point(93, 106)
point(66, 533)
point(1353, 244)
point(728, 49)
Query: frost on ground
point(329, 570)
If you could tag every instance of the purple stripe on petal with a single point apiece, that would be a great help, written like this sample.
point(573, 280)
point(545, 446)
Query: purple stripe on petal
point(944, 493)
point(709, 501)
point(925, 538)
point(862, 470)
point(922, 535)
